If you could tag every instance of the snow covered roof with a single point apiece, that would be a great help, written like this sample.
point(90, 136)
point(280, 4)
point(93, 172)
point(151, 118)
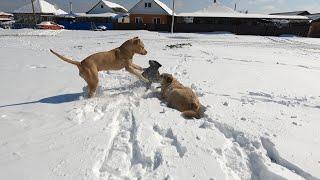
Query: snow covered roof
point(96, 15)
point(154, 10)
point(218, 8)
point(113, 7)
point(163, 6)
point(5, 14)
point(105, 15)
point(314, 16)
point(40, 6)
point(292, 13)
point(241, 15)
point(5, 19)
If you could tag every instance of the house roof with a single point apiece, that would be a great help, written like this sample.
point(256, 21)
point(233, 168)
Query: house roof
point(5, 14)
point(5, 19)
point(314, 16)
point(109, 4)
point(160, 4)
point(241, 15)
point(217, 8)
point(220, 10)
point(163, 6)
point(292, 13)
point(40, 6)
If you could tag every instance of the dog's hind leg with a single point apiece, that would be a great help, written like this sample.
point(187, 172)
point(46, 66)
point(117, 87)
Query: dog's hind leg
point(92, 79)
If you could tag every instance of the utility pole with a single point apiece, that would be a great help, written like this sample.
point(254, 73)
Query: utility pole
point(172, 21)
point(34, 13)
point(70, 6)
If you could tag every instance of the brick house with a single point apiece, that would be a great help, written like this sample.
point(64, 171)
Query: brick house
point(150, 12)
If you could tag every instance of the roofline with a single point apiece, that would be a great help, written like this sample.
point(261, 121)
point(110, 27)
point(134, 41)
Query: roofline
point(289, 12)
point(163, 8)
point(299, 17)
point(93, 7)
point(134, 6)
point(153, 1)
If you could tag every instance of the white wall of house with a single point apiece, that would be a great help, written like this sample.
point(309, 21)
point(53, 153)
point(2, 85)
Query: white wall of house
point(100, 8)
point(141, 9)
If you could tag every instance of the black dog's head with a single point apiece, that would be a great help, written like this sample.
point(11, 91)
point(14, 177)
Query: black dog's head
point(155, 64)
point(152, 72)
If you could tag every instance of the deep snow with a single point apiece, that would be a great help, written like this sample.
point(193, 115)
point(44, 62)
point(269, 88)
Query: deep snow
point(262, 118)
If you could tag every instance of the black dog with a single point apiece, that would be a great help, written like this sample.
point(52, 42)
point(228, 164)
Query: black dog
point(152, 73)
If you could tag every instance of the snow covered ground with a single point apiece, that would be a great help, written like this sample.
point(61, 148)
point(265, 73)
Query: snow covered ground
point(262, 120)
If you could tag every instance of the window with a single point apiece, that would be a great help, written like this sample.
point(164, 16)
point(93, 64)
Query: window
point(156, 20)
point(138, 20)
point(101, 6)
point(147, 5)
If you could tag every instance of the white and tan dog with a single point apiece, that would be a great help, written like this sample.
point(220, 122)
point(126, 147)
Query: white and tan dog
point(115, 59)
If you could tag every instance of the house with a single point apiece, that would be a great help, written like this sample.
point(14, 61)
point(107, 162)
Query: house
point(150, 12)
point(104, 13)
point(218, 17)
point(104, 6)
point(43, 11)
point(4, 17)
point(6, 20)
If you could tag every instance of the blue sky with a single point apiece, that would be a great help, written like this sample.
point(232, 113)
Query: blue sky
point(253, 6)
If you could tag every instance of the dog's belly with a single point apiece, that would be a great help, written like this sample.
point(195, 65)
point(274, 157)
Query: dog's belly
point(111, 65)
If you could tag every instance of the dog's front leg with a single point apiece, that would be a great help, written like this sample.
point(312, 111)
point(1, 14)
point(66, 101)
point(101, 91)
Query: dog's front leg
point(133, 71)
point(136, 67)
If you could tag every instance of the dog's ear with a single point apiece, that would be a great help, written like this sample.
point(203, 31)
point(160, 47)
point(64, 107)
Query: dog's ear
point(158, 64)
point(136, 41)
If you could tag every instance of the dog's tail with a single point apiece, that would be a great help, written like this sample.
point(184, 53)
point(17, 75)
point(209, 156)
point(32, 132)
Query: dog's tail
point(66, 59)
point(195, 112)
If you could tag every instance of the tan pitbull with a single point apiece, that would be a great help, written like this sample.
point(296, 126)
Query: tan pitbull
point(115, 59)
point(180, 97)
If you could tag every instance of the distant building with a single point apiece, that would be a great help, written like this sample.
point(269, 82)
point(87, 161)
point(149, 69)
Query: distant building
point(315, 16)
point(314, 30)
point(293, 13)
point(218, 17)
point(43, 10)
point(104, 13)
point(4, 17)
point(6, 20)
point(104, 6)
point(150, 12)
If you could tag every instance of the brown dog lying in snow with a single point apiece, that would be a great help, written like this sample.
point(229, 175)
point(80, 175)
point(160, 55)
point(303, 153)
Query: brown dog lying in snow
point(180, 97)
point(115, 59)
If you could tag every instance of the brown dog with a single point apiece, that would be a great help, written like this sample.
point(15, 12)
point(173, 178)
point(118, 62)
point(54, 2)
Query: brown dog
point(115, 59)
point(180, 97)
